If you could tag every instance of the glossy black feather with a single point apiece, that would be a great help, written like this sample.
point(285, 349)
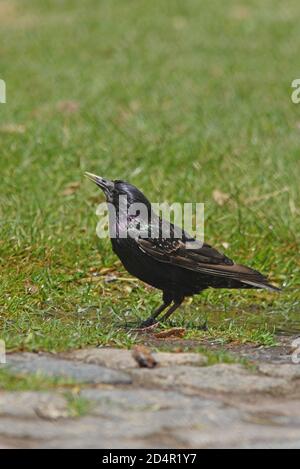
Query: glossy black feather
point(167, 264)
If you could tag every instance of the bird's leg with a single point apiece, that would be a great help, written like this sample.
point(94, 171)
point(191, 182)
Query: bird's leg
point(152, 319)
point(171, 310)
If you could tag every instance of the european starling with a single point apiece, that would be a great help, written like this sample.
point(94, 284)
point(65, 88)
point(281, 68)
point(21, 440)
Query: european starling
point(165, 262)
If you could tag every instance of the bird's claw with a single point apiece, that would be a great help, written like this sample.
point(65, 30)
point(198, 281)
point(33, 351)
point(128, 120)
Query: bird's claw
point(148, 325)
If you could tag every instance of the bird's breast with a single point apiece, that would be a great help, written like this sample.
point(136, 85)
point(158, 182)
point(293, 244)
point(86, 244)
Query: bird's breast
point(157, 274)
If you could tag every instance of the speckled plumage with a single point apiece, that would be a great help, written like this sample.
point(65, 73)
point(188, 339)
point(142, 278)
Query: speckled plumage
point(166, 263)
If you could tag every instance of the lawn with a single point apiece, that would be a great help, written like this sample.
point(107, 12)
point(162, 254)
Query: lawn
point(182, 99)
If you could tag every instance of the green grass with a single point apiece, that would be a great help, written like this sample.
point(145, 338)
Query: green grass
point(78, 405)
point(11, 381)
point(181, 99)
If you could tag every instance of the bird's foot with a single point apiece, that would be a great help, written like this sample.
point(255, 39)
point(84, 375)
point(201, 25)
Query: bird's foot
point(203, 327)
point(147, 326)
point(148, 323)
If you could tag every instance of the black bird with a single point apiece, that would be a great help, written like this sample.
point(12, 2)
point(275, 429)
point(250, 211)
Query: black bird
point(165, 262)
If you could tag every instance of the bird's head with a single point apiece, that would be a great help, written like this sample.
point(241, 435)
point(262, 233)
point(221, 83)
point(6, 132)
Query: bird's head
point(114, 189)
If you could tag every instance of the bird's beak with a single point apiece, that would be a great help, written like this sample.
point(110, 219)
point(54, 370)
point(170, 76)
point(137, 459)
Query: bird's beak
point(105, 184)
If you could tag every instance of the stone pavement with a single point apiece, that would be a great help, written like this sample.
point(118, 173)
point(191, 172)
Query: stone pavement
point(181, 403)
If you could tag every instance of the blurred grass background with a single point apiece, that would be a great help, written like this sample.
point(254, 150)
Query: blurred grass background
point(186, 100)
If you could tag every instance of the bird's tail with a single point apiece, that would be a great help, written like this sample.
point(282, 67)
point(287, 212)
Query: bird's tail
point(253, 278)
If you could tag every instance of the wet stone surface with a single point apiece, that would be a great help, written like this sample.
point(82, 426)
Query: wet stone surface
point(181, 403)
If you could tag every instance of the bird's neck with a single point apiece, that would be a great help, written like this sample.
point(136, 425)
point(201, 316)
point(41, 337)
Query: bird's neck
point(134, 219)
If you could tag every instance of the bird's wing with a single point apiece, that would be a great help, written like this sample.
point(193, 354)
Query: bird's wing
point(200, 258)
point(174, 251)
